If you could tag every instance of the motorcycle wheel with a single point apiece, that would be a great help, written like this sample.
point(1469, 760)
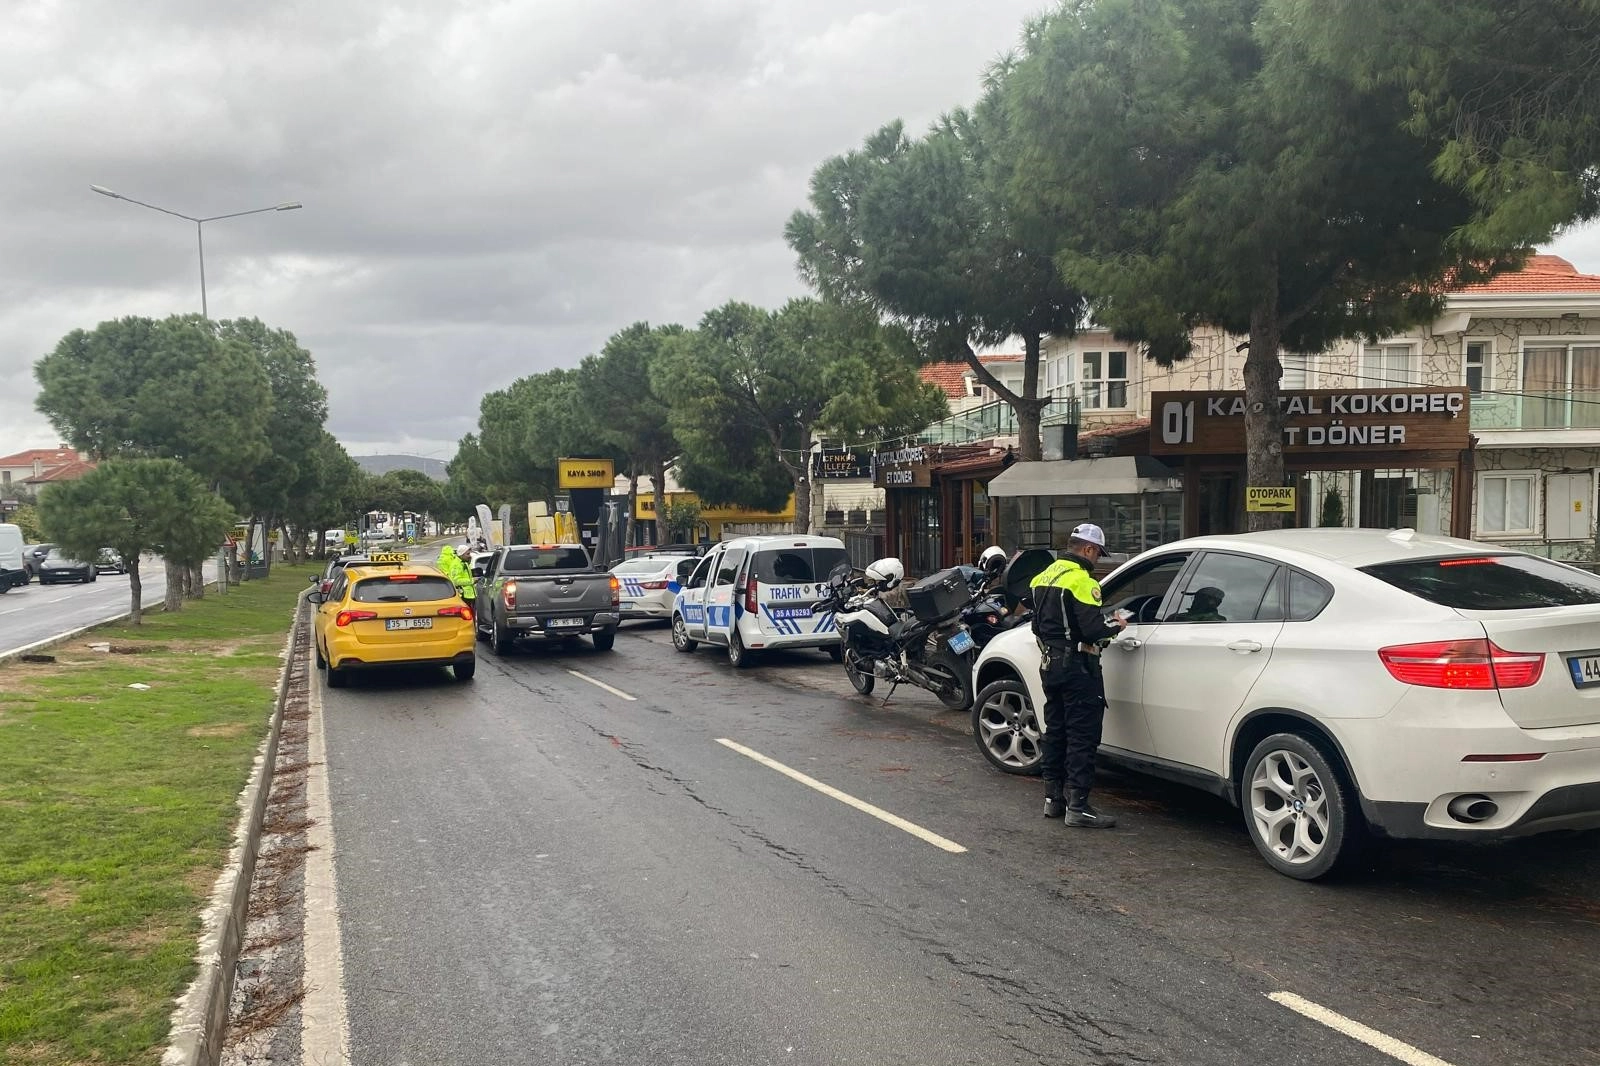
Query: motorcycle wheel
point(862, 681)
point(955, 673)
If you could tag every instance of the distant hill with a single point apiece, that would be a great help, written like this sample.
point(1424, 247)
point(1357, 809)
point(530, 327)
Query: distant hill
point(382, 464)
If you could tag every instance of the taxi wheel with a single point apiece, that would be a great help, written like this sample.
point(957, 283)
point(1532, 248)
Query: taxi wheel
point(680, 635)
point(337, 678)
point(465, 669)
point(322, 664)
point(605, 639)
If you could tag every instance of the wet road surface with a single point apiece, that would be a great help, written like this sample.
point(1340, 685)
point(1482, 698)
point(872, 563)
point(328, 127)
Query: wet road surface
point(534, 869)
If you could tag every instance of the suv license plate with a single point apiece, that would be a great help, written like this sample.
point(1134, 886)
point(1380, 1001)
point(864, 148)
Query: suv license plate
point(408, 623)
point(961, 643)
point(1585, 670)
point(564, 623)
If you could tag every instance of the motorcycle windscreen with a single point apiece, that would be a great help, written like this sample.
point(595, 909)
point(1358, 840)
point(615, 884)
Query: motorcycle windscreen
point(1020, 572)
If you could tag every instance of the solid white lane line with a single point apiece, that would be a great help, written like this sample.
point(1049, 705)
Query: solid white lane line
point(863, 806)
point(324, 1023)
point(597, 683)
point(1395, 1049)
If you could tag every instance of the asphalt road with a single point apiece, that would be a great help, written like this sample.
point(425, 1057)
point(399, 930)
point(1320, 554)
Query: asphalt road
point(533, 869)
point(38, 612)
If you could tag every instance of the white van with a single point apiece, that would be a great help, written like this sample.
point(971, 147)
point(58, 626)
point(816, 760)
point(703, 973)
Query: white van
point(13, 574)
point(755, 594)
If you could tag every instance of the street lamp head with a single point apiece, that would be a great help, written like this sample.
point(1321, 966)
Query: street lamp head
point(291, 206)
point(103, 191)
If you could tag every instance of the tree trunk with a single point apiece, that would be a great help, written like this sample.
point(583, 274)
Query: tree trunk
point(136, 591)
point(196, 589)
point(802, 503)
point(1263, 420)
point(173, 601)
point(1030, 447)
point(658, 482)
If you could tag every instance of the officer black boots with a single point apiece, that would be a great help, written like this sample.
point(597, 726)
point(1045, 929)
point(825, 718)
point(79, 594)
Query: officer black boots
point(1054, 803)
point(1081, 815)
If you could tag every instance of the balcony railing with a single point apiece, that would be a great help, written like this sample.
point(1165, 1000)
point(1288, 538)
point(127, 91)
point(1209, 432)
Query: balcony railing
point(1536, 410)
point(994, 420)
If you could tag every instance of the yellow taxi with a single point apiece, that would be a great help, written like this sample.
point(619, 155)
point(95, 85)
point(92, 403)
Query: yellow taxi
point(390, 611)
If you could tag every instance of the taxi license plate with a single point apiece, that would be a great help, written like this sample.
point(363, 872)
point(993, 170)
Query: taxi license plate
point(564, 623)
point(408, 623)
point(1585, 670)
point(961, 642)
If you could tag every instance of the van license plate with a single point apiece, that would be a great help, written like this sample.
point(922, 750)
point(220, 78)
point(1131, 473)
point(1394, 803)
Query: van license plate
point(784, 614)
point(961, 643)
point(1585, 670)
point(564, 623)
point(408, 623)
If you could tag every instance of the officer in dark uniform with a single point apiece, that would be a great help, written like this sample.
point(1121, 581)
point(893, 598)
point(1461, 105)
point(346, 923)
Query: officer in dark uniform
point(1069, 625)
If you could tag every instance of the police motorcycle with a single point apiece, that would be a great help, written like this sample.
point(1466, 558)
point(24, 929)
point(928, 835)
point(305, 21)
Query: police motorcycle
point(927, 645)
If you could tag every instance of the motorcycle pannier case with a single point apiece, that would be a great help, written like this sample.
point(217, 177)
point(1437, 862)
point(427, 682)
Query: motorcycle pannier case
point(938, 595)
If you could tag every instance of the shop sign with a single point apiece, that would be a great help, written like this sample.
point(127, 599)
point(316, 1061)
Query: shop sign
point(585, 473)
point(838, 464)
point(904, 468)
point(1320, 420)
point(1274, 499)
point(645, 509)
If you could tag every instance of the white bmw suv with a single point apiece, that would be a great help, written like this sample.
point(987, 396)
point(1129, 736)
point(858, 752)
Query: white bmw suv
point(1339, 682)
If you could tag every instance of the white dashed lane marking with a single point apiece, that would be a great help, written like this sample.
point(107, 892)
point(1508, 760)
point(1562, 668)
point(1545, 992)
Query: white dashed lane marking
point(1395, 1049)
point(863, 806)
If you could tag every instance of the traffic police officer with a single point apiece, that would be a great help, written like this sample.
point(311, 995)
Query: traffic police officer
point(1069, 626)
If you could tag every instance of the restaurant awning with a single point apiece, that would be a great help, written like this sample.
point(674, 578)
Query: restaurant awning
point(1116, 475)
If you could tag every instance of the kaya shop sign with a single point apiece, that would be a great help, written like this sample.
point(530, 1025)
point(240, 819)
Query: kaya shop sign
point(1314, 420)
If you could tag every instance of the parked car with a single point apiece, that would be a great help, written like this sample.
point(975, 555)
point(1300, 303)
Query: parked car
point(650, 584)
point(33, 557)
point(756, 593)
point(546, 592)
point(335, 565)
point(57, 567)
point(109, 562)
point(15, 561)
point(1337, 682)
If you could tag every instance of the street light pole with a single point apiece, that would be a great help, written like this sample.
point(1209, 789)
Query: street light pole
point(199, 228)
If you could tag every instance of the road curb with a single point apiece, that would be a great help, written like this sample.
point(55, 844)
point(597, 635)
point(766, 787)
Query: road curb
point(200, 1019)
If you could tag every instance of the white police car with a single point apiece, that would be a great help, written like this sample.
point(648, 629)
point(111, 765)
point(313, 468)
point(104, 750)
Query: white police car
point(650, 584)
point(755, 593)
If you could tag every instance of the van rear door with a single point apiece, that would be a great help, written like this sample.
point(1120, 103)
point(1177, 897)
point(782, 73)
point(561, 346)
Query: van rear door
point(789, 579)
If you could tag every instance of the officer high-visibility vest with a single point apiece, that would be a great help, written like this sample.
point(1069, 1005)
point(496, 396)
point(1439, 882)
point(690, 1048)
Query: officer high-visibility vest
point(1069, 574)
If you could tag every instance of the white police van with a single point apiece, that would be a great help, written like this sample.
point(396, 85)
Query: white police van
point(755, 594)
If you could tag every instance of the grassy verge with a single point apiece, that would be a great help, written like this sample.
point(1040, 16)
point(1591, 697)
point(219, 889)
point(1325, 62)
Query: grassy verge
point(117, 808)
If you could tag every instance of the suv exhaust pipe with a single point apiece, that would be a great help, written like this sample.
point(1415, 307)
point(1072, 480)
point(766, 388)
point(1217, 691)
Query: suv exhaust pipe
point(1473, 809)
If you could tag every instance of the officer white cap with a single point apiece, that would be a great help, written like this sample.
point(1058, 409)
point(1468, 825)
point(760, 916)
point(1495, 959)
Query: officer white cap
point(1090, 533)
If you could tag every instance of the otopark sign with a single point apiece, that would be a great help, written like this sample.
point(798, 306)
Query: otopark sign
point(1314, 420)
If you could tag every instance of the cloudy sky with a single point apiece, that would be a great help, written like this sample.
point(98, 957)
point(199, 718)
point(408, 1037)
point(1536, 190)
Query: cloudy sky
point(490, 188)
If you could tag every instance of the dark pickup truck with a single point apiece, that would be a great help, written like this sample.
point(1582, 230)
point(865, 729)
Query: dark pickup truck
point(546, 592)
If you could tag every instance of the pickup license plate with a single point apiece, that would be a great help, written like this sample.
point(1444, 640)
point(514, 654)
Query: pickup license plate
point(961, 643)
point(408, 623)
point(1585, 670)
point(564, 623)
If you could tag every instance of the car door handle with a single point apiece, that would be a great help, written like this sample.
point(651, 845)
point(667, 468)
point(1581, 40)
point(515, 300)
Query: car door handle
point(1127, 643)
point(1245, 646)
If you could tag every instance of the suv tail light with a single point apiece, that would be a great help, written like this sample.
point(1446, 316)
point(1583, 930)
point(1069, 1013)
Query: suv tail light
point(508, 592)
point(750, 603)
point(616, 592)
point(461, 611)
point(344, 618)
point(1462, 664)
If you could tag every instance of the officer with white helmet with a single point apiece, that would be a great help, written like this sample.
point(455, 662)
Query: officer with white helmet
point(1069, 625)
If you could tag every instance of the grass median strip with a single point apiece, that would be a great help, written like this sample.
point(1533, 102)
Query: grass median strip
point(117, 807)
